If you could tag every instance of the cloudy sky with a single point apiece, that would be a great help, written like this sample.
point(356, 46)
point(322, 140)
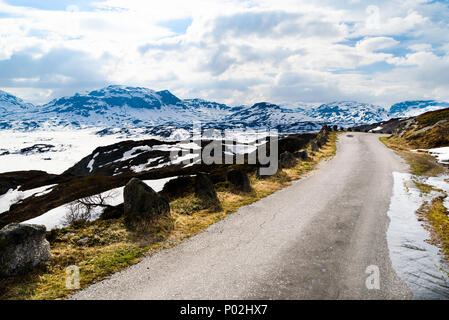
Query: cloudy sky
point(236, 52)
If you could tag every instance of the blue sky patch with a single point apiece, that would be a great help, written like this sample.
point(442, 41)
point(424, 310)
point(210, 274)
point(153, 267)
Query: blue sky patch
point(178, 26)
point(83, 5)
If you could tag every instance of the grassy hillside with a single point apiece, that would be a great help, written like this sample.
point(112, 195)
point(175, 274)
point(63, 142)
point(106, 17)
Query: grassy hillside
point(429, 130)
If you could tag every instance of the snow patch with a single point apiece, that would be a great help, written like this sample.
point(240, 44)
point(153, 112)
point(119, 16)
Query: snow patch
point(442, 154)
point(14, 196)
point(54, 218)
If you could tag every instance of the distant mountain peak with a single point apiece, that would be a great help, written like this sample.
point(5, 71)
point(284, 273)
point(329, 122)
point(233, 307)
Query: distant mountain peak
point(348, 112)
point(168, 98)
point(119, 106)
point(413, 108)
point(10, 104)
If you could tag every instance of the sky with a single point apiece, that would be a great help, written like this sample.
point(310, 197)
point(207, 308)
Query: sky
point(234, 52)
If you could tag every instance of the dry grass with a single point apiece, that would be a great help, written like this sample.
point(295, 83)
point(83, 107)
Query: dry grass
point(436, 215)
point(103, 247)
point(421, 164)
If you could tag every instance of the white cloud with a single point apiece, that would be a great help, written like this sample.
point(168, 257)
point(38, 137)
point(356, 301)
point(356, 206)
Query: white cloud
point(233, 51)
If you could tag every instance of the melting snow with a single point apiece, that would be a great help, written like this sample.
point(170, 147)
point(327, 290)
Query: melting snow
point(14, 196)
point(417, 262)
point(442, 154)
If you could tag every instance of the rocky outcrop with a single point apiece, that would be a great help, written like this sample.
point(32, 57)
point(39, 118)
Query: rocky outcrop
point(287, 160)
point(239, 180)
point(37, 148)
point(26, 180)
point(314, 146)
point(204, 187)
point(142, 203)
point(119, 157)
point(22, 247)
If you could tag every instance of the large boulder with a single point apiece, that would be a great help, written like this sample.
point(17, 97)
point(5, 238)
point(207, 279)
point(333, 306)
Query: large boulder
point(22, 247)
point(287, 160)
point(204, 187)
point(239, 180)
point(142, 203)
point(178, 187)
point(323, 136)
point(314, 146)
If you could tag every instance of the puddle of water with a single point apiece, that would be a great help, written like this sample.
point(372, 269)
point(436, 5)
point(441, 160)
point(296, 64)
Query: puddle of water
point(415, 261)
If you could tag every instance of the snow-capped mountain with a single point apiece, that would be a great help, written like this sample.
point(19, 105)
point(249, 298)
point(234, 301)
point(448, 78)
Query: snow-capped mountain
point(10, 104)
point(414, 108)
point(161, 113)
point(119, 106)
point(266, 115)
point(348, 113)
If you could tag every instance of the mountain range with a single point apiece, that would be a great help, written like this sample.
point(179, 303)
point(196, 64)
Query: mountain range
point(125, 107)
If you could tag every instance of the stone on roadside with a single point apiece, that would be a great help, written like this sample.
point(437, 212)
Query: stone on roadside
point(204, 187)
point(239, 180)
point(287, 160)
point(142, 203)
point(22, 247)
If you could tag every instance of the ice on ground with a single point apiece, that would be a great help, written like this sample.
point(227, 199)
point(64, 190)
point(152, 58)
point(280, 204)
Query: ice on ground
point(14, 195)
point(54, 219)
point(442, 154)
point(416, 262)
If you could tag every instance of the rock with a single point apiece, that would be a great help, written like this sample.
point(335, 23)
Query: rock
point(204, 187)
point(239, 180)
point(303, 155)
point(335, 128)
point(37, 148)
point(112, 212)
point(83, 241)
point(178, 187)
point(287, 160)
point(314, 146)
point(142, 203)
point(22, 247)
point(323, 136)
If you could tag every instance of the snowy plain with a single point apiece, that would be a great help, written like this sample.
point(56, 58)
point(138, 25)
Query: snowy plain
point(70, 146)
